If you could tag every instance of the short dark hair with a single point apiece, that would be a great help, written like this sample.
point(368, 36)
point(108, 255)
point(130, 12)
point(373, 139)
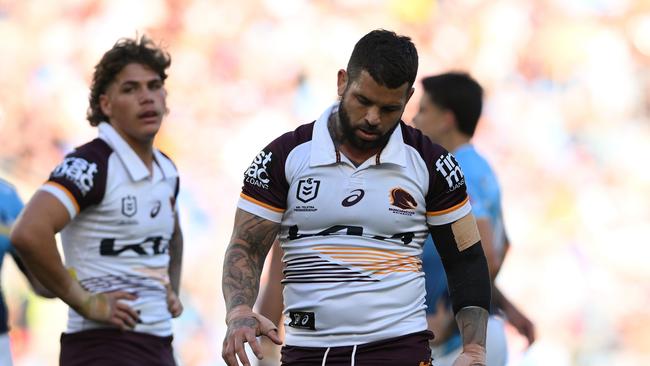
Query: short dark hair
point(459, 93)
point(124, 52)
point(390, 59)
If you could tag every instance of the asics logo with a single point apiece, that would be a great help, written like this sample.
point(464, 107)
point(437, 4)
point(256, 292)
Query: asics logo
point(155, 209)
point(353, 198)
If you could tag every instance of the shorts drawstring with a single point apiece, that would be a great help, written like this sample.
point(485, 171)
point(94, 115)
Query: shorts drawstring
point(354, 352)
point(325, 356)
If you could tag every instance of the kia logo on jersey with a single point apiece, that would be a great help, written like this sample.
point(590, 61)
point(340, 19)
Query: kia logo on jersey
point(354, 198)
point(307, 189)
point(402, 199)
point(129, 206)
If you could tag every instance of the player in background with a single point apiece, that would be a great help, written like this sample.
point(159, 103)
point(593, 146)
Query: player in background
point(10, 207)
point(449, 112)
point(113, 200)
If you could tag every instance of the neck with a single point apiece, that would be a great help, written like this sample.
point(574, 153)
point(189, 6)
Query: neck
point(454, 141)
point(356, 155)
point(143, 149)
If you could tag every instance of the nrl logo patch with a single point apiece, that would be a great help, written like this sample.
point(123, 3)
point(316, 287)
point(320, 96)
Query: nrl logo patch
point(129, 206)
point(307, 189)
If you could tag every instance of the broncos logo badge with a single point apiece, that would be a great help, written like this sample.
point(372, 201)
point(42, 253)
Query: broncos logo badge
point(402, 199)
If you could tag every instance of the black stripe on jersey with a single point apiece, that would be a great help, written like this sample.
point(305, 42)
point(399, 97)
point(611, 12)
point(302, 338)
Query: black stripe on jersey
point(316, 269)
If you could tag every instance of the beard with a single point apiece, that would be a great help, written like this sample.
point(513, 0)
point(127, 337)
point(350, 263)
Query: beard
point(349, 135)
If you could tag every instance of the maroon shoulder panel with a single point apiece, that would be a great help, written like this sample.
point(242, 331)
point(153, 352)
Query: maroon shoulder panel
point(83, 172)
point(265, 179)
point(446, 180)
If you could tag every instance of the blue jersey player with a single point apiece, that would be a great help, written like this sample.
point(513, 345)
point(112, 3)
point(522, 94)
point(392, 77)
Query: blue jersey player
point(449, 112)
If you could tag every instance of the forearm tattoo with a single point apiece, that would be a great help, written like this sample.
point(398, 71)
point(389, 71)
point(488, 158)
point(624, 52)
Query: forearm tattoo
point(251, 240)
point(472, 323)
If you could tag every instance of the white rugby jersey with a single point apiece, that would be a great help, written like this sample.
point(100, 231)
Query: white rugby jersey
point(122, 221)
point(352, 236)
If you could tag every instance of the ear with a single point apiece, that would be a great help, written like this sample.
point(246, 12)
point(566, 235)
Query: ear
point(105, 105)
point(449, 119)
point(409, 95)
point(341, 82)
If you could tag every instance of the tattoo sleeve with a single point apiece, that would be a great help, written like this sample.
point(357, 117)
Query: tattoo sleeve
point(472, 323)
point(251, 240)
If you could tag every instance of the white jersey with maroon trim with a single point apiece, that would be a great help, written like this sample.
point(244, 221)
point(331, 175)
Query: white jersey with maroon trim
point(352, 236)
point(122, 221)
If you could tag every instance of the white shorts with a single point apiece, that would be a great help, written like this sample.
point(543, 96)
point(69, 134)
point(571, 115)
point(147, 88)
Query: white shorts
point(5, 350)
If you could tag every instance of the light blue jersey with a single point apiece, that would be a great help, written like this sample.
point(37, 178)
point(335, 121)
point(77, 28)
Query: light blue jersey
point(10, 207)
point(485, 198)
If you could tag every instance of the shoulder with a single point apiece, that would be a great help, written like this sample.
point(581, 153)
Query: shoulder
point(96, 150)
point(421, 143)
point(289, 140)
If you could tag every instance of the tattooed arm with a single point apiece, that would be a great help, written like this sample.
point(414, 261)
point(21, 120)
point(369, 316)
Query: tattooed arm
point(251, 240)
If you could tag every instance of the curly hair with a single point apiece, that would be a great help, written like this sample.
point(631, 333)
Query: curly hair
point(124, 52)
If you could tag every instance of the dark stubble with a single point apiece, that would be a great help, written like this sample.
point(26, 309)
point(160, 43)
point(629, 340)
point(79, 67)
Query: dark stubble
point(348, 132)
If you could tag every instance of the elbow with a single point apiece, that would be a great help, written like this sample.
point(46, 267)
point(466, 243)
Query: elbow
point(19, 237)
point(43, 292)
point(23, 238)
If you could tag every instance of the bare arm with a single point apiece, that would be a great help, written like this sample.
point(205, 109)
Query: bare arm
point(251, 240)
point(33, 237)
point(175, 266)
point(270, 303)
point(514, 316)
point(36, 285)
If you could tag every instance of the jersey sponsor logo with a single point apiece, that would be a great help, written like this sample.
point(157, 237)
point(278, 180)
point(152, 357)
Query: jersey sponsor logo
point(257, 173)
point(354, 198)
point(450, 170)
point(156, 209)
point(129, 206)
point(404, 202)
point(79, 171)
point(307, 189)
point(153, 245)
point(405, 237)
point(302, 320)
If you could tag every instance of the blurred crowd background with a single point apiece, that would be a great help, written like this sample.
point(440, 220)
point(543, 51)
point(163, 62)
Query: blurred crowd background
point(566, 126)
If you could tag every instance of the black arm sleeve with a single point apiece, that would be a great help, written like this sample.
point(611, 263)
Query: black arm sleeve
point(468, 277)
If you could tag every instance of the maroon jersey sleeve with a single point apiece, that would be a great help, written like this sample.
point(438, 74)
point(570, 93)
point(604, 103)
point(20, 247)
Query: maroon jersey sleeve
point(265, 181)
point(446, 196)
point(82, 174)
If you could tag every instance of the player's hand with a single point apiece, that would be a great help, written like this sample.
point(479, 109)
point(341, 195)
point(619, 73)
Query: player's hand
point(243, 326)
point(518, 320)
point(174, 304)
point(472, 355)
point(107, 308)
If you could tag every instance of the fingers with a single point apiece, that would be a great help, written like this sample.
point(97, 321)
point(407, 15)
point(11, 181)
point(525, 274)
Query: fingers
point(126, 313)
point(274, 336)
point(174, 306)
point(255, 345)
point(176, 309)
point(122, 295)
point(240, 350)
